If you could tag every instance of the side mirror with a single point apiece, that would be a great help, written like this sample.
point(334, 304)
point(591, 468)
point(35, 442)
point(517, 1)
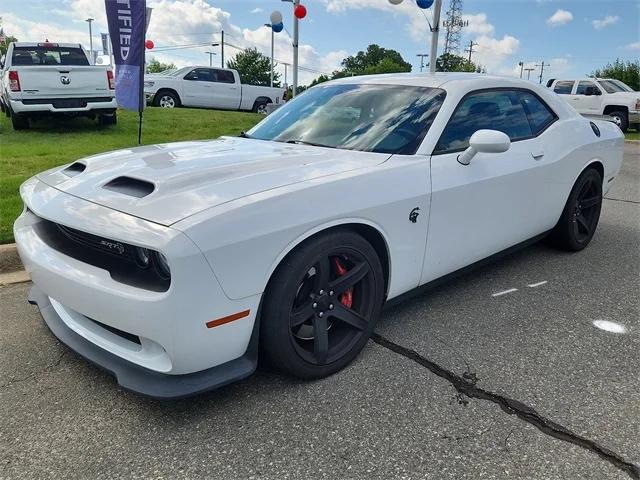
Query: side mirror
point(485, 141)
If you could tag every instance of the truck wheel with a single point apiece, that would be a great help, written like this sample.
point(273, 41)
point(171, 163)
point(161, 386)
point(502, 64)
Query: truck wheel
point(621, 119)
point(260, 106)
point(166, 100)
point(19, 122)
point(110, 119)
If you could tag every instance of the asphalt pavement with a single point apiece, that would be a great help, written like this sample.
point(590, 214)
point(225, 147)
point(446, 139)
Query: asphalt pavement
point(501, 373)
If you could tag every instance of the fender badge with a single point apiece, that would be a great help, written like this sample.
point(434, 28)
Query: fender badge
point(413, 216)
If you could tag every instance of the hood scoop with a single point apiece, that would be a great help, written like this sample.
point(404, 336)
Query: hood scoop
point(74, 169)
point(132, 187)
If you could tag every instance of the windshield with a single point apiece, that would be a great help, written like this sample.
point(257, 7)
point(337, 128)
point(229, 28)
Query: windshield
point(623, 85)
point(613, 86)
point(50, 54)
point(368, 118)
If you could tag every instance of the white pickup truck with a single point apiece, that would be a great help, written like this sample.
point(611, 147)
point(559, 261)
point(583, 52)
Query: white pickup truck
point(42, 79)
point(601, 97)
point(208, 87)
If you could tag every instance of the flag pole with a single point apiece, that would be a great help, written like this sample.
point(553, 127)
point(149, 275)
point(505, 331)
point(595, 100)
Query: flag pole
point(141, 76)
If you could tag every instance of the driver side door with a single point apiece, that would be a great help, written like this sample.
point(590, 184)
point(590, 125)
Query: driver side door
point(197, 88)
point(498, 200)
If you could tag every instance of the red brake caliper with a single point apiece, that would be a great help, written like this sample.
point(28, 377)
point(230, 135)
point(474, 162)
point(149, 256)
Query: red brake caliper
point(346, 298)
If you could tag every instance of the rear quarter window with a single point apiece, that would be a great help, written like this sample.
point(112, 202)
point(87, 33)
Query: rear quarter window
point(563, 87)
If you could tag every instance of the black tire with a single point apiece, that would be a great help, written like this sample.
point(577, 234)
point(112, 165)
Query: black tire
point(580, 216)
point(109, 119)
point(19, 122)
point(295, 310)
point(260, 106)
point(166, 99)
point(621, 119)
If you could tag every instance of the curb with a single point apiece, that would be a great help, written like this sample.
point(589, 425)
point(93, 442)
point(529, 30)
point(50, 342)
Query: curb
point(14, 277)
point(9, 259)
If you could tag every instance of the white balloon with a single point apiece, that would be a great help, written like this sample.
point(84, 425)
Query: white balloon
point(395, 2)
point(276, 17)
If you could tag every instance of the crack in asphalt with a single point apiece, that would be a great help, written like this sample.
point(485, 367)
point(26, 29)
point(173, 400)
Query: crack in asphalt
point(465, 386)
point(32, 375)
point(622, 200)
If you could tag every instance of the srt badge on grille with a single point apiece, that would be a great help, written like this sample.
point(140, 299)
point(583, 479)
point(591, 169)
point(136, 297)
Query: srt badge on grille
point(65, 80)
point(115, 246)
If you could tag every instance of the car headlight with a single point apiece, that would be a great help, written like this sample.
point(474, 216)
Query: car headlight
point(161, 265)
point(149, 84)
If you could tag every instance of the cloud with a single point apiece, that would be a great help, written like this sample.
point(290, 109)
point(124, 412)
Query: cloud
point(257, 10)
point(561, 17)
point(605, 22)
point(633, 46)
point(491, 52)
point(478, 24)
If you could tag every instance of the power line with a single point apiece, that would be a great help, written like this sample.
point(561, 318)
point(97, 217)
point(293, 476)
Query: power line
point(542, 65)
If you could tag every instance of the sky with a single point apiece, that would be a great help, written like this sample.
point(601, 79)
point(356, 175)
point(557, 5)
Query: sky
point(573, 36)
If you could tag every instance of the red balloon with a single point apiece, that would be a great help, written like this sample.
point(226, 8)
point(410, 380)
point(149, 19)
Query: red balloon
point(300, 11)
point(149, 44)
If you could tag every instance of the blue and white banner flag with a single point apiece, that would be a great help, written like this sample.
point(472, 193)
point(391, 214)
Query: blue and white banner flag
point(127, 26)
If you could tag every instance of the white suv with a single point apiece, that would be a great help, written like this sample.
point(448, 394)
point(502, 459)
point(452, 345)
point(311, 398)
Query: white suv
point(601, 96)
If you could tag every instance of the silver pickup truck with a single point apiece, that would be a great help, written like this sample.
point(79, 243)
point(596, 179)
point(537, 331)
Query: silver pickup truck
point(43, 79)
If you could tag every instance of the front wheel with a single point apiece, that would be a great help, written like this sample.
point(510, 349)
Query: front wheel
point(166, 100)
point(581, 214)
point(322, 305)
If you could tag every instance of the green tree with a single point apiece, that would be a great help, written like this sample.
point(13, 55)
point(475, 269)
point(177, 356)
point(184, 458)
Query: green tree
point(254, 68)
point(375, 60)
point(155, 66)
point(448, 62)
point(627, 72)
point(4, 45)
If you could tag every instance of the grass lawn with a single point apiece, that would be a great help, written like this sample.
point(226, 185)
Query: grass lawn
point(632, 135)
point(58, 141)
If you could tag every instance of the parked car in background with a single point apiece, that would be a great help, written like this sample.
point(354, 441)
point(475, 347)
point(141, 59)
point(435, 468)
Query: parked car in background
point(173, 265)
point(208, 87)
point(601, 96)
point(43, 79)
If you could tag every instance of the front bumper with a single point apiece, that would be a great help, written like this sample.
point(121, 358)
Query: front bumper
point(140, 380)
point(169, 328)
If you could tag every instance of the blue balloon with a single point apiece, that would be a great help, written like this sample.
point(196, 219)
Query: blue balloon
point(277, 27)
point(424, 3)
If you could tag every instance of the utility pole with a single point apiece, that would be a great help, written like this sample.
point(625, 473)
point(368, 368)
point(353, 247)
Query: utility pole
point(89, 20)
point(470, 49)
point(272, 40)
point(529, 70)
point(422, 57)
point(542, 65)
point(454, 25)
point(435, 29)
point(521, 65)
point(211, 54)
point(222, 50)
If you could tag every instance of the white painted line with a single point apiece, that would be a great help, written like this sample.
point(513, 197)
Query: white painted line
point(511, 290)
point(608, 326)
point(534, 285)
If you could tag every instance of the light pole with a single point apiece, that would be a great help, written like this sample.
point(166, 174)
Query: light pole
point(272, 40)
point(422, 57)
point(529, 70)
point(435, 29)
point(521, 65)
point(211, 54)
point(89, 20)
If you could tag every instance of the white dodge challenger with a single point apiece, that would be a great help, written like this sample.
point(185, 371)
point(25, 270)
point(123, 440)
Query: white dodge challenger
point(171, 266)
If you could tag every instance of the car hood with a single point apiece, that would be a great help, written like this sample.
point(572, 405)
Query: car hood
point(169, 182)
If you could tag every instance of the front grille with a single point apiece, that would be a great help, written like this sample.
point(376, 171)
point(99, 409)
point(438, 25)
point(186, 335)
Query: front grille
point(66, 102)
point(121, 333)
point(111, 255)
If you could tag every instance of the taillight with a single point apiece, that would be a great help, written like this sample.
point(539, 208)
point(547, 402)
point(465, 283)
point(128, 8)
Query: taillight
point(638, 104)
point(14, 81)
point(112, 85)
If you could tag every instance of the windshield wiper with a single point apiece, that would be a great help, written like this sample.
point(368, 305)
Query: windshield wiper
point(302, 142)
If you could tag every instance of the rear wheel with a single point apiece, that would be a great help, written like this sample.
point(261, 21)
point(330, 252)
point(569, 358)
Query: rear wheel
point(19, 122)
point(581, 214)
point(110, 119)
point(260, 106)
point(322, 305)
point(621, 119)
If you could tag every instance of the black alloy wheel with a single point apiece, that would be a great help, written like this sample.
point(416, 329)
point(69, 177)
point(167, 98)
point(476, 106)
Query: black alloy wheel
point(581, 214)
point(322, 305)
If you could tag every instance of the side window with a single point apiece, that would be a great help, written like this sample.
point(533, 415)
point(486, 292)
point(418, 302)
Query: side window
point(225, 76)
point(539, 114)
point(582, 87)
point(492, 110)
point(199, 74)
point(563, 87)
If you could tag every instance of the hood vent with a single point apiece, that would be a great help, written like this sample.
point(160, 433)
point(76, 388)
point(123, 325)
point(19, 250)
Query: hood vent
point(130, 186)
point(74, 169)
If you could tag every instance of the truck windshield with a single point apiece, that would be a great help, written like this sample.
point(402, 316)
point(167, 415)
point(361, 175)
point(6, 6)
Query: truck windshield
point(49, 55)
point(368, 118)
point(611, 86)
